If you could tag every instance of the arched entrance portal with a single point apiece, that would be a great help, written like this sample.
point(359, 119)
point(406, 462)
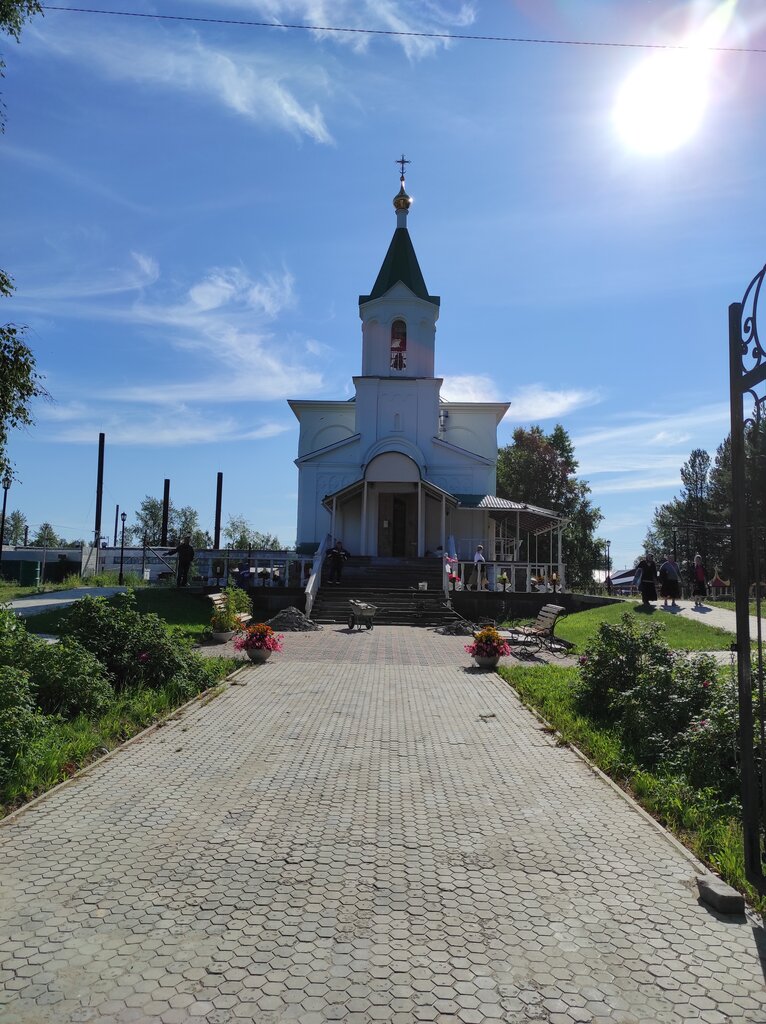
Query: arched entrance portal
point(394, 479)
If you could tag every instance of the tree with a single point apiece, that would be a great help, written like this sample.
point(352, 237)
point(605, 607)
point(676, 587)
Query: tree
point(186, 524)
point(149, 522)
point(241, 536)
point(15, 525)
point(46, 537)
point(540, 469)
point(19, 383)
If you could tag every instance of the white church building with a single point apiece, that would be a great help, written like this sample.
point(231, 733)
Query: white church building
point(398, 471)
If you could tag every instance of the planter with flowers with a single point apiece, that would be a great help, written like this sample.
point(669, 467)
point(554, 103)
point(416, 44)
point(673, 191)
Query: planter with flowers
point(258, 642)
point(502, 580)
point(488, 647)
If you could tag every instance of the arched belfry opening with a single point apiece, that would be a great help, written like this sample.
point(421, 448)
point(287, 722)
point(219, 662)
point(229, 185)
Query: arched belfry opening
point(398, 345)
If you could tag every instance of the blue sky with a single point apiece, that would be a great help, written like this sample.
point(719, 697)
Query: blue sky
point(191, 211)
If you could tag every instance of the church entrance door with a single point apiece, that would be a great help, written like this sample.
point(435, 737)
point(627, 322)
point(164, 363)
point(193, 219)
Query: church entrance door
point(399, 528)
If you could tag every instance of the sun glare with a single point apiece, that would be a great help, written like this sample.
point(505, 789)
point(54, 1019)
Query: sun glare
point(662, 103)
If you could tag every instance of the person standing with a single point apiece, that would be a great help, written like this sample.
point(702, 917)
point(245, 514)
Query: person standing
point(185, 553)
point(336, 556)
point(646, 579)
point(699, 586)
point(670, 582)
point(475, 583)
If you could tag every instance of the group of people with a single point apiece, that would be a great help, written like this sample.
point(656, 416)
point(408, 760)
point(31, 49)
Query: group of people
point(669, 577)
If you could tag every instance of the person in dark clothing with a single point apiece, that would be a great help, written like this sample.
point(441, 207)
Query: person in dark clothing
point(646, 574)
point(185, 554)
point(670, 582)
point(699, 586)
point(336, 556)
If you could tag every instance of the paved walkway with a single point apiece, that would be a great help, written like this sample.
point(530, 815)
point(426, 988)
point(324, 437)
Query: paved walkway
point(37, 603)
point(363, 829)
point(710, 615)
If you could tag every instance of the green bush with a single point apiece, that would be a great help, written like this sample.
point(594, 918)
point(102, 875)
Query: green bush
point(68, 680)
point(673, 713)
point(19, 722)
point(237, 600)
point(65, 678)
point(135, 649)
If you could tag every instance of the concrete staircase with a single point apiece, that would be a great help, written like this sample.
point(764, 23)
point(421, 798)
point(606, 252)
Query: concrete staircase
point(392, 585)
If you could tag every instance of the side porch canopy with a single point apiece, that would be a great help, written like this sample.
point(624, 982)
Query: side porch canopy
point(516, 522)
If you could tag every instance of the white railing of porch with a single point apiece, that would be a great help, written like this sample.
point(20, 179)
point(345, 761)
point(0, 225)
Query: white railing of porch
point(315, 579)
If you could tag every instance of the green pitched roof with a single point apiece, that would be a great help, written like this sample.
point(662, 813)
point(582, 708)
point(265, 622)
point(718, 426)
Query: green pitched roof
point(400, 264)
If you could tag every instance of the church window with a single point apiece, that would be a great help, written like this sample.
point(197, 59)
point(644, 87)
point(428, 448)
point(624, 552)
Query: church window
point(398, 345)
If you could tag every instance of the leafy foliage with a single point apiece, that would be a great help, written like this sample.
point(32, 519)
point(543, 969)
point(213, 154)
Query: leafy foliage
point(670, 710)
point(15, 524)
point(697, 519)
point(135, 649)
point(45, 537)
point(540, 469)
point(19, 722)
point(241, 536)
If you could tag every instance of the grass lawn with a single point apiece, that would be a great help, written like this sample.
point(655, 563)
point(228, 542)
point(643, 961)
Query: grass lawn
point(709, 828)
point(731, 606)
point(681, 634)
point(185, 614)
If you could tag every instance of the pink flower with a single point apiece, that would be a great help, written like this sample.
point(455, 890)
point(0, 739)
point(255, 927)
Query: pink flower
point(143, 657)
point(583, 659)
point(706, 684)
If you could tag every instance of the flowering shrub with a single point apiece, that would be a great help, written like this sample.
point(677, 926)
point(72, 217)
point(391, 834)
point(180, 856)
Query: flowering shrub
point(488, 643)
point(259, 637)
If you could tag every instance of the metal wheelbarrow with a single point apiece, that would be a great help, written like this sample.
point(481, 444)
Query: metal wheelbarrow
point(361, 614)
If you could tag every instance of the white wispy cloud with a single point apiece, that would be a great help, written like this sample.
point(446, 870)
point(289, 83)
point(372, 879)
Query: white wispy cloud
point(182, 427)
point(256, 85)
point(537, 402)
point(141, 271)
point(383, 15)
point(467, 388)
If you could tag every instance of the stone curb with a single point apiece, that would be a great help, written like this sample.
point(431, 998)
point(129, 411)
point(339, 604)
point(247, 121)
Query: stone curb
point(199, 700)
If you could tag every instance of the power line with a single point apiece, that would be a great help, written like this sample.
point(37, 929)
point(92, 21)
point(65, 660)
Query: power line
point(409, 35)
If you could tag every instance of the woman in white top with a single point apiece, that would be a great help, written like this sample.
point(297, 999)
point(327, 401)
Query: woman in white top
point(478, 569)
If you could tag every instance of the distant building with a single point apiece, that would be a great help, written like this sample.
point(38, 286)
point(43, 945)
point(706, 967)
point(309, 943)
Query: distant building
point(397, 471)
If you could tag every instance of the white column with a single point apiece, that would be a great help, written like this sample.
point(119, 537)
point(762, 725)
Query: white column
point(561, 564)
point(516, 551)
point(421, 523)
point(444, 526)
point(332, 525)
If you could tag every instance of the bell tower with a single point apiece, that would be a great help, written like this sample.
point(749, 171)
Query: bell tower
point(399, 316)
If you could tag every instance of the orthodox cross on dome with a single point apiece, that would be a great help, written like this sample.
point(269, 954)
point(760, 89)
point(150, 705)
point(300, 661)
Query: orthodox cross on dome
point(402, 161)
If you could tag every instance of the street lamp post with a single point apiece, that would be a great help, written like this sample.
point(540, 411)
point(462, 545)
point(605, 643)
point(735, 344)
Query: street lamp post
point(608, 568)
point(121, 580)
point(6, 488)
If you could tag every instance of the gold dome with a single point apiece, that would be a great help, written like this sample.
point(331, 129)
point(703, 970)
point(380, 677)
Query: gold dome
point(402, 201)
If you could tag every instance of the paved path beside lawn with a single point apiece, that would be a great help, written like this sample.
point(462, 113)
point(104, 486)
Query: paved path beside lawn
point(26, 606)
point(710, 615)
point(363, 829)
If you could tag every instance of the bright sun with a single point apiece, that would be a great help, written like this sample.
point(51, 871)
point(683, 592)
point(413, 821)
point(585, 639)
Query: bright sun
point(661, 104)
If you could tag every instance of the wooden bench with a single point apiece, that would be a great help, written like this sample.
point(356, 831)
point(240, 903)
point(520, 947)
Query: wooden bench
point(540, 634)
point(219, 602)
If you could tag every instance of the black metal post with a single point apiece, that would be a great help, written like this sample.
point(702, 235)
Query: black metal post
point(218, 499)
point(26, 536)
point(116, 517)
point(99, 495)
point(750, 808)
point(165, 514)
point(6, 488)
point(121, 579)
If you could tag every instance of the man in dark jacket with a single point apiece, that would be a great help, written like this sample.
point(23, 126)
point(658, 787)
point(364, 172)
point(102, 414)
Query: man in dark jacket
point(336, 556)
point(185, 554)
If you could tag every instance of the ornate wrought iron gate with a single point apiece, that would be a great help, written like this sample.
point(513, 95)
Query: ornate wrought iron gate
point(747, 378)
